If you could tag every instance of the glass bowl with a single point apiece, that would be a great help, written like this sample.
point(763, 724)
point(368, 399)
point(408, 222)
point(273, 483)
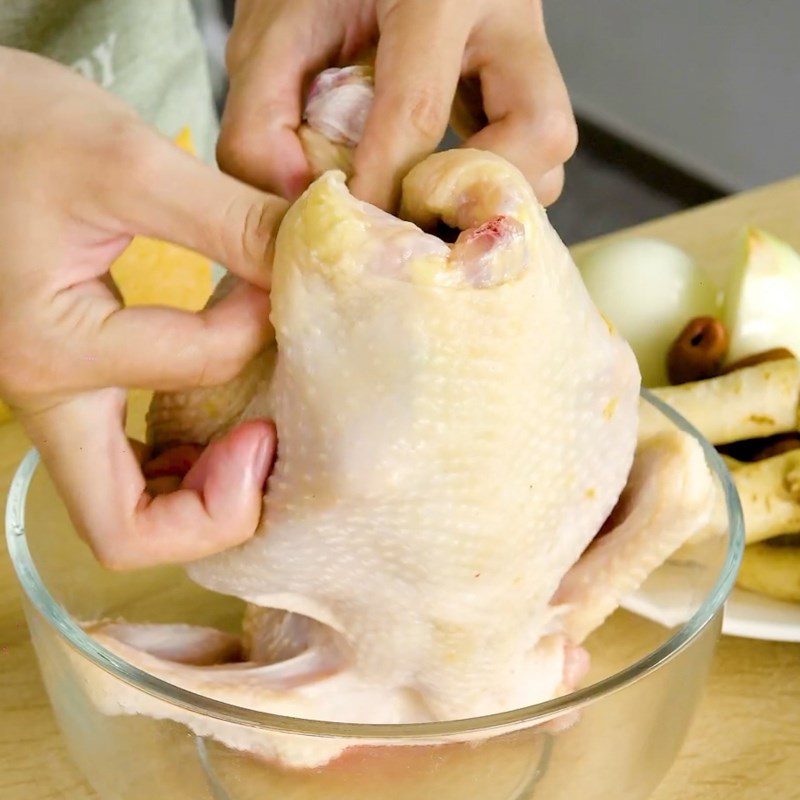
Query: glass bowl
point(614, 738)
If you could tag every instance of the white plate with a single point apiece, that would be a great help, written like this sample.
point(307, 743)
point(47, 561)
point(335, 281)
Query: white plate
point(757, 617)
point(666, 598)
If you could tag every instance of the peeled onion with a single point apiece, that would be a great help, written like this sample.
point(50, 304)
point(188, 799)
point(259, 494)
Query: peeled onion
point(762, 300)
point(649, 290)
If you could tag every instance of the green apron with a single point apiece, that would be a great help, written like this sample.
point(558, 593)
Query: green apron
point(148, 52)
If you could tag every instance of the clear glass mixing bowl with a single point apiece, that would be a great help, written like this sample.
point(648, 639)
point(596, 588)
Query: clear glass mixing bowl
point(615, 738)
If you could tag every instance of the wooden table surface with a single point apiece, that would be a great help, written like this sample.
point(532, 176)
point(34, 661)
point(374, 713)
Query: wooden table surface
point(745, 742)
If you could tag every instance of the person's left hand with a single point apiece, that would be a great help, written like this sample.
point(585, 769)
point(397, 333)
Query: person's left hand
point(80, 175)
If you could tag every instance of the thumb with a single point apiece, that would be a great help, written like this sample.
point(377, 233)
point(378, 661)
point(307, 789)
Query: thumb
point(92, 463)
point(171, 195)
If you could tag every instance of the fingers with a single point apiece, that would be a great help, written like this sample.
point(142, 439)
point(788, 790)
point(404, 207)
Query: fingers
point(258, 138)
point(272, 51)
point(548, 188)
point(526, 102)
point(100, 344)
point(467, 116)
point(175, 197)
point(417, 67)
point(94, 466)
point(175, 461)
point(171, 195)
point(167, 349)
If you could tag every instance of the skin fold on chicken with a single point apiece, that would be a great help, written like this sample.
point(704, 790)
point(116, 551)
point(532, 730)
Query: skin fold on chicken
point(456, 423)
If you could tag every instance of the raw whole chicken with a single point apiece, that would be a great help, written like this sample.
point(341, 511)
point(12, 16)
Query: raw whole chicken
point(456, 423)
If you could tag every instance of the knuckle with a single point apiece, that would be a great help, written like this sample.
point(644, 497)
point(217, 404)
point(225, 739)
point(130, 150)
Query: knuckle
point(549, 188)
point(229, 359)
point(217, 368)
point(226, 367)
point(427, 113)
point(250, 231)
point(236, 147)
point(226, 148)
point(253, 136)
point(111, 553)
point(557, 135)
point(237, 49)
point(220, 362)
point(130, 154)
point(201, 371)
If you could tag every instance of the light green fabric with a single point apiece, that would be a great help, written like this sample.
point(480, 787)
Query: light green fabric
point(148, 52)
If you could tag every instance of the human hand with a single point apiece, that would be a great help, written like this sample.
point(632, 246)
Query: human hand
point(423, 50)
point(80, 174)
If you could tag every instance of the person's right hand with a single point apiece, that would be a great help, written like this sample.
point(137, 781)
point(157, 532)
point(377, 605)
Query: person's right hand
point(516, 104)
point(80, 174)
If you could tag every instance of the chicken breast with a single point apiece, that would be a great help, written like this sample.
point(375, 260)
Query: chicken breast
point(454, 426)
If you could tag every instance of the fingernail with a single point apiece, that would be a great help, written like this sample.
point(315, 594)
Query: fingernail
point(263, 458)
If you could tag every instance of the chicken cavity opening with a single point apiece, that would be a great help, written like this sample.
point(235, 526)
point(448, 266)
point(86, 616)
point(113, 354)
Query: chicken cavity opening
point(488, 246)
point(492, 253)
point(484, 255)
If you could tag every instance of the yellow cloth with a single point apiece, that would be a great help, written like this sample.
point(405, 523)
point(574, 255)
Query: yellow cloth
point(152, 272)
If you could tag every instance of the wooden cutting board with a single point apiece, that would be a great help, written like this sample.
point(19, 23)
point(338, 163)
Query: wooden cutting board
point(745, 743)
